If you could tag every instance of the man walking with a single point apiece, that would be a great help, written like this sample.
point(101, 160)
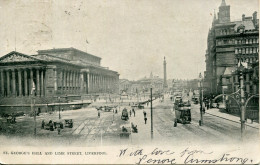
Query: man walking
point(133, 111)
point(144, 114)
point(145, 119)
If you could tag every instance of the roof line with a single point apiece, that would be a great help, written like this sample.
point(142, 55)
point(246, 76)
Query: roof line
point(21, 54)
point(71, 48)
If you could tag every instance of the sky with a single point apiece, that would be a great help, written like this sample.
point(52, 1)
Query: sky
point(131, 36)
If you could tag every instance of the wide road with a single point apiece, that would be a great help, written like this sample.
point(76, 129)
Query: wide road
point(213, 131)
point(90, 130)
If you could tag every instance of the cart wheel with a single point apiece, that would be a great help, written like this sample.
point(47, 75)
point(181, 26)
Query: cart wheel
point(175, 124)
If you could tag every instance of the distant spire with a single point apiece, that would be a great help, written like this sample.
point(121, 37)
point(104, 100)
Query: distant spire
point(223, 3)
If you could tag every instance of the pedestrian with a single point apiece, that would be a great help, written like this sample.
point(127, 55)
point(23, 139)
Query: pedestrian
point(145, 119)
point(144, 114)
point(134, 112)
point(130, 112)
point(43, 123)
point(203, 107)
point(98, 114)
point(207, 104)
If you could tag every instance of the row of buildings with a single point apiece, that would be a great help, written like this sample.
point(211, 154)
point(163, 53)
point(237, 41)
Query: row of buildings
point(230, 43)
point(142, 86)
point(232, 56)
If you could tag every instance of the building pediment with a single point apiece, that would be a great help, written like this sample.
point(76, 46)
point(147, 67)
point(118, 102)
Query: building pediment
point(17, 57)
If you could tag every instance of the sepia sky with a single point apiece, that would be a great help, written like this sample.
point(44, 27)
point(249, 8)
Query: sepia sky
point(131, 36)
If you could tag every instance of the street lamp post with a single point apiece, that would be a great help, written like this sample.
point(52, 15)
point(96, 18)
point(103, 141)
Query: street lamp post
point(152, 113)
point(242, 100)
point(33, 106)
point(59, 108)
point(201, 101)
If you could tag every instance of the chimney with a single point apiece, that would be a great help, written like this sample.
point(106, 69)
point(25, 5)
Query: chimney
point(243, 17)
point(255, 18)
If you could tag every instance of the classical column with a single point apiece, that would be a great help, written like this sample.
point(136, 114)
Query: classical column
point(81, 82)
point(38, 82)
point(42, 89)
point(95, 82)
point(20, 82)
point(74, 81)
point(62, 82)
point(2, 82)
point(55, 81)
point(25, 82)
point(31, 84)
point(88, 82)
point(77, 81)
point(66, 81)
point(8, 82)
point(69, 82)
point(13, 83)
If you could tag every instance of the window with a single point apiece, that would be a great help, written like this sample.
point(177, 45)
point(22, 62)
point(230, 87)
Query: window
point(246, 41)
point(230, 41)
point(225, 41)
point(250, 41)
point(257, 40)
point(239, 41)
point(235, 41)
point(257, 50)
point(254, 40)
point(243, 41)
point(236, 51)
point(254, 50)
point(239, 51)
point(243, 51)
point(227, 80)
point(246, 50)
point(250, 50)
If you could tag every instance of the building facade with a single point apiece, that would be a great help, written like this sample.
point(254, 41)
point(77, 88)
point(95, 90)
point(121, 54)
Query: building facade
point(51, 74)
point(228, 43)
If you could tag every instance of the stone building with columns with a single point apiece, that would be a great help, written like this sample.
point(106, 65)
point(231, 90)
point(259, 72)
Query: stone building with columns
point(53, 73)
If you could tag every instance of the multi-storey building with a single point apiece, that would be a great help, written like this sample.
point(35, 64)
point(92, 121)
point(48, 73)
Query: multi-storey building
point(228, 43)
